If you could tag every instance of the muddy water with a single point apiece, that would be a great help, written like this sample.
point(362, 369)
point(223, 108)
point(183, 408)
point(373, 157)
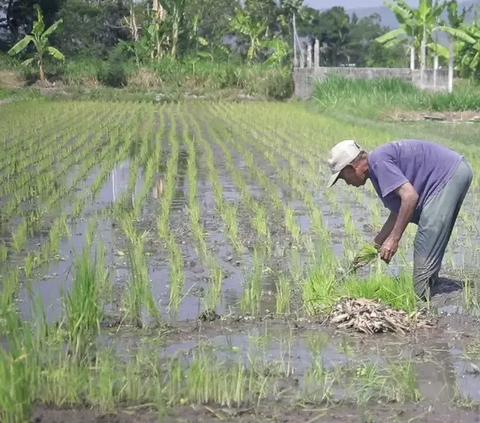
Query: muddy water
point(50, 287)
point(57, 278)
point(234, 265)
point(441, 368)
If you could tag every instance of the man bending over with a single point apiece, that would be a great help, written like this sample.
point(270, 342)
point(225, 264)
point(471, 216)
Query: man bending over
point(418, 181)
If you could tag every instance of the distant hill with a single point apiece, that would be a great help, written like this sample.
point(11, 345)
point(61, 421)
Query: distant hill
point(389, 19)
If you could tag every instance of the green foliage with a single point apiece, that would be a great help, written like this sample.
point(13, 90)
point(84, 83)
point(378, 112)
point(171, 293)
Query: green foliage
point(347, 40)
point(325, 289)
point(468, 47)
point(16, 362)
point(82, 304)
point(369, 97)
point(39, 38)
point(112, 72)
point(244, 23)
point(90, 28)
point(396, 292)
point(415, 24)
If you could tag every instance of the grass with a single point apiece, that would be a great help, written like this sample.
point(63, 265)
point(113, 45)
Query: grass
point(324, 290)
point(370, 97)
point(90, 79)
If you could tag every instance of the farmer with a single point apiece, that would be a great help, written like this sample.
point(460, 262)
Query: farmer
point(418, 181)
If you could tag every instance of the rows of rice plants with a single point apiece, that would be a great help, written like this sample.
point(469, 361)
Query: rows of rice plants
point(274, 157)
point(227, 210)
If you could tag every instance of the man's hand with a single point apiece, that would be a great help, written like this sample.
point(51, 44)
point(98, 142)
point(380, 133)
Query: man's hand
point(388, 249)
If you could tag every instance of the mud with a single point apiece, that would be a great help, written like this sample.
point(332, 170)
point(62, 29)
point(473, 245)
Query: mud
point(446, 375)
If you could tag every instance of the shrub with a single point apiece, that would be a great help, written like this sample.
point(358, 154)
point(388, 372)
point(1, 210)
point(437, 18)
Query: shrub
point(112, 73)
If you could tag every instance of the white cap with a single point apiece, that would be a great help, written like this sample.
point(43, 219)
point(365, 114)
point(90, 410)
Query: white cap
point(340, 156)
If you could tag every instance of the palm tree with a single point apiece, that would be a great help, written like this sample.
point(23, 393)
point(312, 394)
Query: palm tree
point(416, 25)
point(39, 38)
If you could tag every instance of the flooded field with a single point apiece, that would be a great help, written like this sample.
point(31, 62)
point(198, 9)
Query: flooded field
point(178, 262)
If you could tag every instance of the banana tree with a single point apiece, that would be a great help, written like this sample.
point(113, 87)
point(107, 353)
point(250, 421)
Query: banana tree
point(39, 38)
point(416, 24)
point(244, 24)
point(455, 20)
point(281, 51)
point(468, 37)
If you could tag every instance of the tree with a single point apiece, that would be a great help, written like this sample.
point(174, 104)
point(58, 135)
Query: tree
point(335, 35)
point(39, 38)
point(454, 21)
point(245, 24)
point(416, 25)
point(209, 21)
point(281, 51)
point(468, 36)
point(93, 28)
point(364, 50)
point(17, 16)
point(263, 12)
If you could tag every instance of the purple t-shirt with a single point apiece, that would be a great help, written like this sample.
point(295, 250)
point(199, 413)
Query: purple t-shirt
point(426, 165)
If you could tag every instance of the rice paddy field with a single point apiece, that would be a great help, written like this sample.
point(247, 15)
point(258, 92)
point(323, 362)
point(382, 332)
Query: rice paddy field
point(178, 262)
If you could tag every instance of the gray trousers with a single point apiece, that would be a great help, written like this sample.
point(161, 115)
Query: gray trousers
point(435, 228)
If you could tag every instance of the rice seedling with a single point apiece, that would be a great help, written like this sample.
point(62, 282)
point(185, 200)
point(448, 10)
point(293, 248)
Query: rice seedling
point(139, 294)
point(231, 226)
point(29, 263)
point(16, 372)
point(10, 283)
point(3, 251)
point(92, 226)
point(283, 295)
point(177, 277)
point(82, 305)
point(214, 292)
point(260, 223)
point(291, 224)
point(170, 181)
point(366, 255)
point(253, 288)
point(19, 237)
point(471, 297)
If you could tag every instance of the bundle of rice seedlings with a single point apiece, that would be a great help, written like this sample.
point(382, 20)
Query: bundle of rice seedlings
point(367, 254)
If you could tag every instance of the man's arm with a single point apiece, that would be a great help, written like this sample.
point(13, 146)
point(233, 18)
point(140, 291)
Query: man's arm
point(409, 198)
point(386, 230)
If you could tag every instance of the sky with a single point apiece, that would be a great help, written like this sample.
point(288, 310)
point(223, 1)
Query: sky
point(326, 4)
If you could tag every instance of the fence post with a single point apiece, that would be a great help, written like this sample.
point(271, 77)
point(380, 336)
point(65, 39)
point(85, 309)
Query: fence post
point(423, 49)
point(316, 54)
point(435, 69)
point(309, 55)
point(412, 58)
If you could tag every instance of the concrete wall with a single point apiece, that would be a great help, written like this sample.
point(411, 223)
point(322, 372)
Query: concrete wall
point(304, 78)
